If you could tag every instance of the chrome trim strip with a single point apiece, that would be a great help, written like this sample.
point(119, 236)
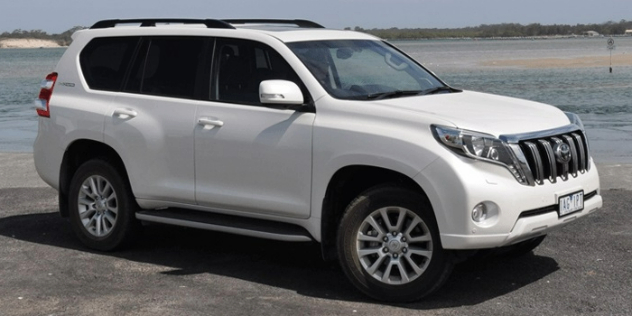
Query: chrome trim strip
point(515, 138)
point(575, 160)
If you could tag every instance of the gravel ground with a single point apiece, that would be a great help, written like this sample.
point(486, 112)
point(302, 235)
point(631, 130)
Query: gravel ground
point(584, 268)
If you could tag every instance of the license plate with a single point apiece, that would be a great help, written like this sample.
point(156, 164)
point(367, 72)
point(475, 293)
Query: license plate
point(571, 203)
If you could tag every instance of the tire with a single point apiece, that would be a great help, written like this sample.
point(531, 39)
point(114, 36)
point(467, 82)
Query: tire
point(389, 247)
point(102, 207)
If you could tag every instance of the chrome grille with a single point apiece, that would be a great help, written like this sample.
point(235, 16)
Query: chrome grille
point(545, 164)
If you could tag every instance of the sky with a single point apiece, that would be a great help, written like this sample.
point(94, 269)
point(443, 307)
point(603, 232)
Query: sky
point(60, 15)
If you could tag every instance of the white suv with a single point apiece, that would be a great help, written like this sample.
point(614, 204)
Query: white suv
point(283, 129)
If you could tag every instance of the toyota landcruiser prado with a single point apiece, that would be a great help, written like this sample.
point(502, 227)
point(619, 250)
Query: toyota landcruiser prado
point(283, 129)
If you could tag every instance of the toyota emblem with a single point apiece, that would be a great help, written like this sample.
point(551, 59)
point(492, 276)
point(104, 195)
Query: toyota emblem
point(562, 153)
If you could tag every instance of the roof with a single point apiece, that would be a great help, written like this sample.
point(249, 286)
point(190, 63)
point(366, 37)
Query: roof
point(284, 30)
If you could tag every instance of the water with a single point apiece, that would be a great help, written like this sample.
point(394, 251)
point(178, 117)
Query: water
point(21, 71)
point(602, 99)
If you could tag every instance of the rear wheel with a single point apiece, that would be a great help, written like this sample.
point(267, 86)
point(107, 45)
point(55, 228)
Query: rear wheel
point(389, 247)
point(101, 206)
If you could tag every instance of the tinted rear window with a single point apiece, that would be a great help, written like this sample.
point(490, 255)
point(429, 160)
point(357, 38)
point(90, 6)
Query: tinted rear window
point(172, 67)
point(105, 60)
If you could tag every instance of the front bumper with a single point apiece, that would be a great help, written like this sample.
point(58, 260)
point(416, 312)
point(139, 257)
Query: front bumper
point(455, 185)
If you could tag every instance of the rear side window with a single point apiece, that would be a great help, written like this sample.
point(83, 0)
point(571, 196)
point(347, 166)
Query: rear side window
point(105, 60)
point(171, 67)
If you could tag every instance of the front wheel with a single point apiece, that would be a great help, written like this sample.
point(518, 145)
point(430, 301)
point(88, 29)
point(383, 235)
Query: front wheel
point(101, 206)
point(389, 246)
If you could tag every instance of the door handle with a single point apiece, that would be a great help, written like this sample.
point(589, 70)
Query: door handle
point(125, 113)
point(209, 122)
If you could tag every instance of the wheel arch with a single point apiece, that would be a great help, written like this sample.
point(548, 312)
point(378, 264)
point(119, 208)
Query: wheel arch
point(345, 185)
point(76, 154)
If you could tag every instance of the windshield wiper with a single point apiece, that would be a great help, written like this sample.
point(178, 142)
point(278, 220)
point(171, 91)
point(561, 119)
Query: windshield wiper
point(393, 94)
point(400, 93)
point(439, 89)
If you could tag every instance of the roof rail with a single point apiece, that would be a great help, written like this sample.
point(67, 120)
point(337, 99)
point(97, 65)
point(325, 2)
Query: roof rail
point(210, 23)
point(299, 23)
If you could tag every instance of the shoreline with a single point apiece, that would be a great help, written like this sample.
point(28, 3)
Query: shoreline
point(573, 62)
point(28, 43)
point(501, 38)
point(17, 170)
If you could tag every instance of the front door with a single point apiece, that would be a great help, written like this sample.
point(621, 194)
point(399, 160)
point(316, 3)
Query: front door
point(250, 158)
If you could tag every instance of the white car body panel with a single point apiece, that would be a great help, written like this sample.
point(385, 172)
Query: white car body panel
point(76, 114)
point(491, 114)
point(259, 160)
point(156, 145)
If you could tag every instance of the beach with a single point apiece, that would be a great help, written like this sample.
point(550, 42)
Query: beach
point(27, 43)
point(619, 59)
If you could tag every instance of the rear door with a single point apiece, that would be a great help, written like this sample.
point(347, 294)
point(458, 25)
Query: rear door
point(151, 123)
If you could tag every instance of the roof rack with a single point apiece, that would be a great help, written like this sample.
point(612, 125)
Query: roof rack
point(210, 23)
point(298, 22)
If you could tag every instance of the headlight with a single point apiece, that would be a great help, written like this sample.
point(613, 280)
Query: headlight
point(481, 147)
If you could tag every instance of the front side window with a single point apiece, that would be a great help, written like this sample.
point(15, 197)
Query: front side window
point(364, 69)
point(241, 65)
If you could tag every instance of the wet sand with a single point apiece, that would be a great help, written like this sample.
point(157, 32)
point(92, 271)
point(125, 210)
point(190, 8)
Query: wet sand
point(619, 59)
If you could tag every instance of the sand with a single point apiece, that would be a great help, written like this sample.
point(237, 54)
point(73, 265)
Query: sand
point(575, 62)
point(27, 43)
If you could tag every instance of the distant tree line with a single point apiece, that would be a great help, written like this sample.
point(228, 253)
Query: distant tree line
point(481, 31)
point(63, 39)
point(501, 30)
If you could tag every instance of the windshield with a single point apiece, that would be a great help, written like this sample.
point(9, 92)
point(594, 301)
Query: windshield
point(365, 70)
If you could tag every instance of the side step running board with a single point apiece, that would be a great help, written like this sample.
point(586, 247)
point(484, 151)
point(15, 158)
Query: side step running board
point(226, 224)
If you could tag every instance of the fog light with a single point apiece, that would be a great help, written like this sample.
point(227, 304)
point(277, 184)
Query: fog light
point(479, 213)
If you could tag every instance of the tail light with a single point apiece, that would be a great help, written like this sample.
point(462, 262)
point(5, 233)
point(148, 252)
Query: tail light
point(43, 100)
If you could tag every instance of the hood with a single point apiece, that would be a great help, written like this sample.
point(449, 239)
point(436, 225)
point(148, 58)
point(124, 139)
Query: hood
point(486, 113)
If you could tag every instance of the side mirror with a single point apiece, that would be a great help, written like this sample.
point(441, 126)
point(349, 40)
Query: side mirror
point(281, 92)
